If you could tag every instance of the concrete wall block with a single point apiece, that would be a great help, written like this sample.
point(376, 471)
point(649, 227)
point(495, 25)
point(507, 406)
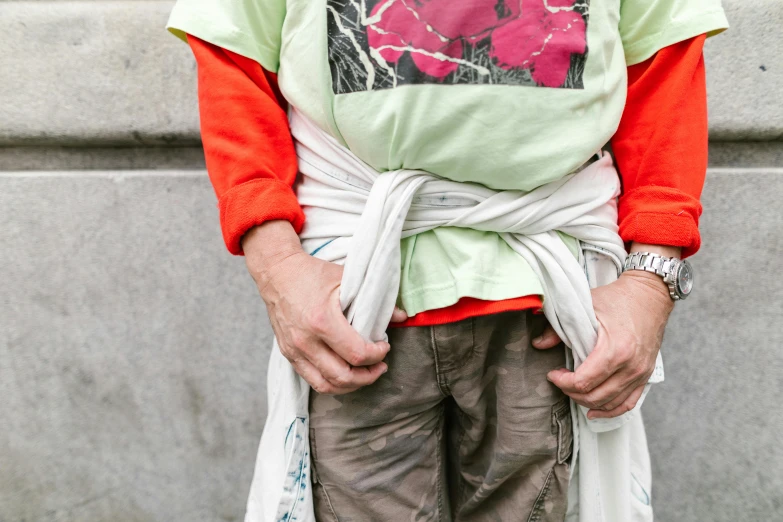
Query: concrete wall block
point(744, 154)
point(745, 73)
point(106, 72)
point(133, 355)
point(133, 352)
point(714, 425)
point(94, 72)
point(101, 158)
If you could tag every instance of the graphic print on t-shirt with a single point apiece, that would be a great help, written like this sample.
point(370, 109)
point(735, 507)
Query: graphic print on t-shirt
point(382, 44)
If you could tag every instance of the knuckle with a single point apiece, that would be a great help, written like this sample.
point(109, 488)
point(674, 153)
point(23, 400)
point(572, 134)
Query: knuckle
point(341, 380)
point(298, 340)
point(357, 356)
point(287, 352)
point(318, 320)
point(594, 401)
point(582, 385)
point(625, 354)
point(640, 371)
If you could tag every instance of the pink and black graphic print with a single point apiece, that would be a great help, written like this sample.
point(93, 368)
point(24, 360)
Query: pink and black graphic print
point(382, 44)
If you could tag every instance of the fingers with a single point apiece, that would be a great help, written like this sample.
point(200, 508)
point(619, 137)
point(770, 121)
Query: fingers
point(316, 381)
point(613, 392)
point(398, 315)
point(618, 399)
point(548, 339)
point(596, 369)
point(333, 328)
point(342, 375)
point(626, 406)
point(323, 385)
point(600, 385)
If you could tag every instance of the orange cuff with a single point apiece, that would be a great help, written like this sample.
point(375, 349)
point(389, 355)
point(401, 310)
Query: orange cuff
point(254, 202)
point(661, 216)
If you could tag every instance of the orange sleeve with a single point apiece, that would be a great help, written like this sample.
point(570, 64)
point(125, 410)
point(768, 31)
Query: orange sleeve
point(661, 148)
point(248, 147)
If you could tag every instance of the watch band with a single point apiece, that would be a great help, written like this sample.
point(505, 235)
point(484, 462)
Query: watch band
point(650, 262)
point(668, 268)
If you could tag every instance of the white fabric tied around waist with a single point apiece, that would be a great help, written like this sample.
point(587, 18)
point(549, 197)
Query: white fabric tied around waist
point(357, 216)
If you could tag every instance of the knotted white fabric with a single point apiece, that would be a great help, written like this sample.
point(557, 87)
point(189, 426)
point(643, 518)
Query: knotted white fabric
point(357, 216)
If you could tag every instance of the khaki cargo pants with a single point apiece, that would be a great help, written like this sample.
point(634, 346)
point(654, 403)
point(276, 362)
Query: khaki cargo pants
point(463, 427)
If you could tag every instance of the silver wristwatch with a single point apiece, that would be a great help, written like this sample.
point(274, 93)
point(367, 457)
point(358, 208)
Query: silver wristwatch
point(676, 273)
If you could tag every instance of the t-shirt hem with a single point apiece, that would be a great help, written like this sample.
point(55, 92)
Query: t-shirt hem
point(182, 23)
point(435, 296)
point(468, 307)
point(710, 23)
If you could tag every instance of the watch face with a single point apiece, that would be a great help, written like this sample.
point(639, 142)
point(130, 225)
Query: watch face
point(685, 279)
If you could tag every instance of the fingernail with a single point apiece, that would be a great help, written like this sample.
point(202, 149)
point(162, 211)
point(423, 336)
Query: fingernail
point(538, 339)
point(385, 369)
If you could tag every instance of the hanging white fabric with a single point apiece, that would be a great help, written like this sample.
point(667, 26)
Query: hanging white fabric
point(357, 216)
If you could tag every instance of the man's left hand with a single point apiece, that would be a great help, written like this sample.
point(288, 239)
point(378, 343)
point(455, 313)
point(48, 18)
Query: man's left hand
point(632, 313)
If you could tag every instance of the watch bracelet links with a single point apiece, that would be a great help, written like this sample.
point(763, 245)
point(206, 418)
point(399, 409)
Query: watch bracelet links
point(649, 262)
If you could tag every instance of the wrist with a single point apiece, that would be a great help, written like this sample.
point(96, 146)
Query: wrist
point(661, 250)
point(267, 245)
point(655, 278)
point(653, 281)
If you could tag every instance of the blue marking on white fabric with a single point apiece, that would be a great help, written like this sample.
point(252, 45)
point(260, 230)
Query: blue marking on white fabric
point(314, 252)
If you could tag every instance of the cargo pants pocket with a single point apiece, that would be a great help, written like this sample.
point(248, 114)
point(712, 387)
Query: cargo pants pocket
point(562, 425)
point(551, 503)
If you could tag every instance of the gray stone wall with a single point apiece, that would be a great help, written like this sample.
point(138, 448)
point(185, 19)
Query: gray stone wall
point(133, 347)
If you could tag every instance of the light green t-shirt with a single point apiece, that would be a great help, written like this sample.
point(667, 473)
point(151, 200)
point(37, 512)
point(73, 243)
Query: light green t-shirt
point(511, 94)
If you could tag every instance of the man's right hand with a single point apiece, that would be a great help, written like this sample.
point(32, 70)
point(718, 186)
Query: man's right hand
point(302, 296)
